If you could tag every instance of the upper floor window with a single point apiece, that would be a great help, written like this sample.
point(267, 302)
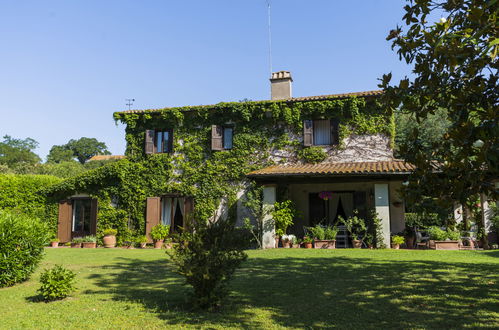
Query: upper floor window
point(221, 137)
point(160, 141)
point(320, 132)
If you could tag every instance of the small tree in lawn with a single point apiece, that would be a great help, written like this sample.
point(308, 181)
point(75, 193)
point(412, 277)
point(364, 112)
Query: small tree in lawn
point(207, 255)
point(455, 68)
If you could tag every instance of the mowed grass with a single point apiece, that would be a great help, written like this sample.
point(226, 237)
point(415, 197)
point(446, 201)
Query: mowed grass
point(275, 288)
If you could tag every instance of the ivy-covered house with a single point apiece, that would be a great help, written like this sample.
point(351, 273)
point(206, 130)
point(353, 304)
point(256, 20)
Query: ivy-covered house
point(200, 161)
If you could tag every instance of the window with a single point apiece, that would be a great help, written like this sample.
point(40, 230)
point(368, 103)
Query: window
point(158, 141)
point(163, 142)
point(221, 137)
point(320, 132)
point(227, 138)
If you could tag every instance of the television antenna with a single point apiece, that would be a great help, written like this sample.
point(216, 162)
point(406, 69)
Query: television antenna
point(129, 103)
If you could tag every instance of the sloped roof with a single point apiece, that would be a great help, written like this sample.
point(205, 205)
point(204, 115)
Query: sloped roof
point(106, 157)
point(349, 168)
point(293, 99)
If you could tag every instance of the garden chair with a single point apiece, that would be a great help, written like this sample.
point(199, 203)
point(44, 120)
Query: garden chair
point(422, 239)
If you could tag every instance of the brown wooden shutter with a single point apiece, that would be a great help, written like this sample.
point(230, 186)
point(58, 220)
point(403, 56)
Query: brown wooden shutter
point(149, 147)
point(216, 137)
point(335, 134)
point(153, 214)
point(93, 216)
point(64, 221)
point(308, 133)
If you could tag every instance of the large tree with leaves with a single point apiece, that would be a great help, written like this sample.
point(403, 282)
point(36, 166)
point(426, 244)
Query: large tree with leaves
point(85, 148)
point(14, 152)
point(455, 66)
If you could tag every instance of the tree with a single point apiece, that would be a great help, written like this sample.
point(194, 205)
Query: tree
point(455, 67)
point(85, 148)
point(15, 151)
point(58, 154)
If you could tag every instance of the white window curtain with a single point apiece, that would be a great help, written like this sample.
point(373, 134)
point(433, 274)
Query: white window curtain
point(166, 211)
point(322, 132)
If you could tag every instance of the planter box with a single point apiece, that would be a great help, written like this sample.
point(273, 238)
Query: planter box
point(89, 245)
point(325, 244)
point(446, 245)
point(76, 245)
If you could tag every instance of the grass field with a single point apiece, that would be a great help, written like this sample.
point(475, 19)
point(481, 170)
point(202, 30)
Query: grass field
point(275, 288)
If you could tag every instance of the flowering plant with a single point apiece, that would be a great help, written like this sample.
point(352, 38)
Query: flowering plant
point(325, 195)
point(288, 238)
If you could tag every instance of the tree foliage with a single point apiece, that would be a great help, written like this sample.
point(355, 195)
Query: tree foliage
point(455, 68)
point(85, 148)
point(14, 152)
point(59, 154)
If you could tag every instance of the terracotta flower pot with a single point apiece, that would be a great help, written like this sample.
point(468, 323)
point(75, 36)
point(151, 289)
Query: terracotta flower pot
point(109, 241)
point(307, 245)
point(357, 243)
point(325, 244)
point(143, 245)
point(158, 244)
point(286, 244)
point(295, 245)
point(395, 246)
point(75, 245)
point(89, 245)
point(54, 244)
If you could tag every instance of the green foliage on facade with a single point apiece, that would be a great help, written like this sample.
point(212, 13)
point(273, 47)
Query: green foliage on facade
point(193, 169)
point(313, 155)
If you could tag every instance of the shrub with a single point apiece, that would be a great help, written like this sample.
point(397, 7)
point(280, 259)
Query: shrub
point(283, 216)
point(437, 234)
point(89, 239)
point(22, 239)
point(78, 240)
point(160, 232)
point(57, 283)
point(109, 232)
point(330, 233)
point(140, 239)
point(317, 232)
point(398, 239)
point(313, 155)
point(207, 256)
point(356, 226)
point(453, 235)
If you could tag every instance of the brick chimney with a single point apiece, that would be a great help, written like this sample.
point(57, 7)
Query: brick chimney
point(280, 85)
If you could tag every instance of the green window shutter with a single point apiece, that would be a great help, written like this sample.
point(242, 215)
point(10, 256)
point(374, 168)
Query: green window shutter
point(308, 133)
point(149, 146)
point(216, 137)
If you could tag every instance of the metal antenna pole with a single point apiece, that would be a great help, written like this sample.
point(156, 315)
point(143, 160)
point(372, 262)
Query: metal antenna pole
point(129, 103)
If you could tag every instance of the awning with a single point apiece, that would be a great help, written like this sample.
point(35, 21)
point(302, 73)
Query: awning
point(332, 169)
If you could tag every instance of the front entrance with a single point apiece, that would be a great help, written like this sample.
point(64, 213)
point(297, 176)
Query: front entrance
point(77, 218)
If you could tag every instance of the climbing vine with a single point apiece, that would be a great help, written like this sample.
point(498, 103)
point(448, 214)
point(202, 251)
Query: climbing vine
point(193, 169)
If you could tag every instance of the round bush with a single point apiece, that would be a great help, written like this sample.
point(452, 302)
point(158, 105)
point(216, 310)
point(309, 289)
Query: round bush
point(57, 283)
point(22, 239)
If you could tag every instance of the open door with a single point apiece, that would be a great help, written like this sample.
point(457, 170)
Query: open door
point(64, 221)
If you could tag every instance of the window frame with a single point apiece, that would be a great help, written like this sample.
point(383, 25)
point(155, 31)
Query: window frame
point(169, 144)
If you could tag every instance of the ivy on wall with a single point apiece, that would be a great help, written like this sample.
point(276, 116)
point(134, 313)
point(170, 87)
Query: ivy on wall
point(193, 169)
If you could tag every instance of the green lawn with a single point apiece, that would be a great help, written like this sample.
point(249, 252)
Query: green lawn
point(275, 288)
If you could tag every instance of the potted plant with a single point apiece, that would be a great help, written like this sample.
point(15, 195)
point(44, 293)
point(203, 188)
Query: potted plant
point(324, 237)
point(307, 242)
point(109, 238)
point(444, 239)
point(369, 240)
point(287, 240)
point(76, 242)
point(295, 244)
point(356, 227)
point(89, 242)
point(283, 215)
point(396, 241)
point(141, 240)
point(158, 234)
point(54, 242)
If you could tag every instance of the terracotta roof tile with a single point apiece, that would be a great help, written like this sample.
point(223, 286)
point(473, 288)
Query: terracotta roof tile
point(293, 99)
point(106, 157)
point(350, 168)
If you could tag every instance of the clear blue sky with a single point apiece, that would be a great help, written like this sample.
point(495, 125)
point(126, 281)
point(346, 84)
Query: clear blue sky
point(66, 66)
